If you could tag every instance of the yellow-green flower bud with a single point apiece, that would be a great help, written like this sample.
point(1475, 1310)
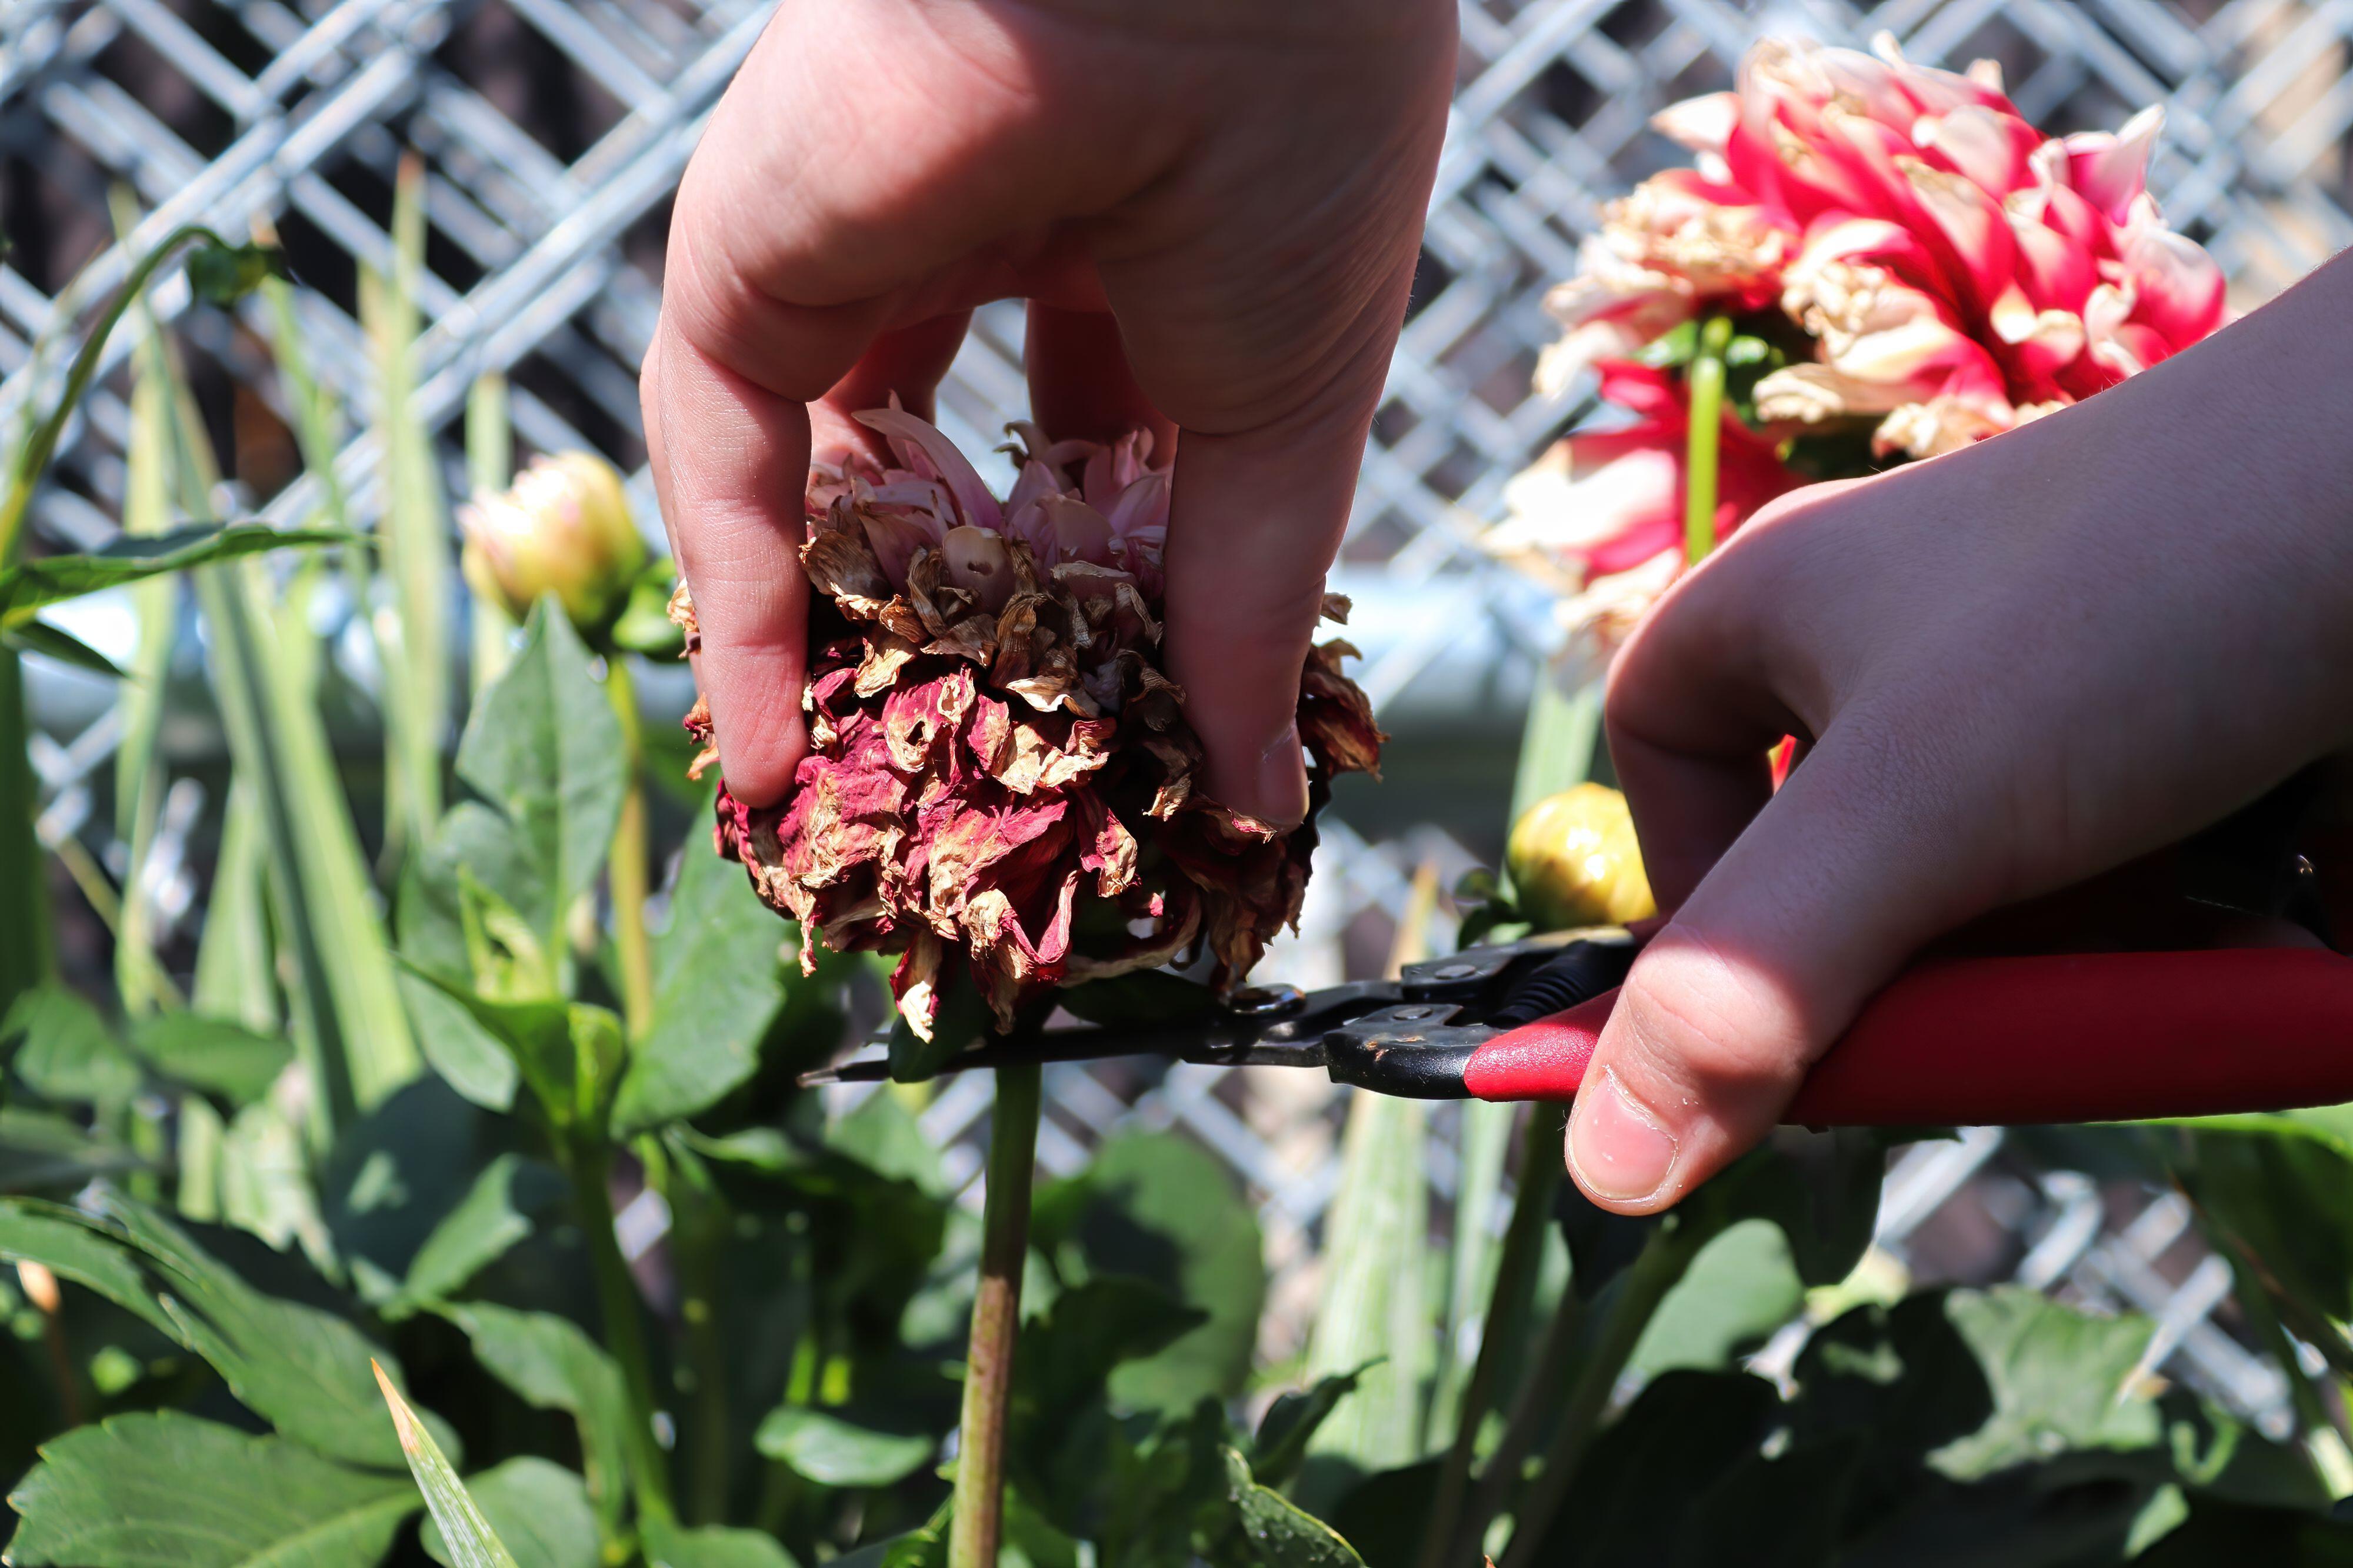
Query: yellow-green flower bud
point(1574, 862)
point(564, 528)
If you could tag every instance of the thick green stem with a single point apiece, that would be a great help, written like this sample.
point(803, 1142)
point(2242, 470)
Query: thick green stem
point(589, 1164)
point(1705, 378)
point(996, 1322)
point(628, 870)
point(1540, 1170)
point(1645, 1283)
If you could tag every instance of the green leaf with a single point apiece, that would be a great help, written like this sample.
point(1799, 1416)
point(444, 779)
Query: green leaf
point(413, 529)
point(31, 585)
point(718, 983)
point(836, 1447)
point(1278, 1532)
point(1739, 1290)
point(493, 1216)
point(536, 1035)
point(1157, 1206)
point(302, 1370)
point(538, 1508)
point(468, 1056)
point(467, 1538)
point(713, 1546)
point(543, 746)
point(42, 1153)
point(881, 1134)
point(644, 625)
point(552, 1363)
point(2057, 1376)
point(224, 274)
point(1374, 1304)
point(216, 1054)
point(1148, 998)
point(1290, 1422)
point(167, 1491)
point(57, 643)
point(59, 1049)
point(396, 1174)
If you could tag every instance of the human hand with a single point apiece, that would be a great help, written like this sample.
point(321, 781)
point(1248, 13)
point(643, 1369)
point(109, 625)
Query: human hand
point(2019, 666)
point(1214, 209)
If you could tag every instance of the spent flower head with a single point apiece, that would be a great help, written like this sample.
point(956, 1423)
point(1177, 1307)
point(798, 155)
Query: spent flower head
point(1000, 779)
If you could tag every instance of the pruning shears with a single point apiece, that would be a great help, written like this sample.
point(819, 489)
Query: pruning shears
point(1960, 1038)
point(1960, 1041)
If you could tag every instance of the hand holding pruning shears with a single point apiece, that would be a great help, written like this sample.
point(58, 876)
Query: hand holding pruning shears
point(2018, 665)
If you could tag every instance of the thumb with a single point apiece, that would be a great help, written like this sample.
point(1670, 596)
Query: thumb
point(1817, 903)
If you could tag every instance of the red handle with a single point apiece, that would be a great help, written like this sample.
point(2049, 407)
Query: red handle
point(2070, 1038)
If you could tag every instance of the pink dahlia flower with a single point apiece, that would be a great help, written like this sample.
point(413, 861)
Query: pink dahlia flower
point(1949, 273)
point(1610, 504)
point(1000, 776)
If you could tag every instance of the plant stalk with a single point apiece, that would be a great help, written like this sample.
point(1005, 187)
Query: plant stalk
point(1645, 1283)
point(995, 1322)
point(589, 1164)
point(1540, 1170)
point(1702, 444)
point(627, 871)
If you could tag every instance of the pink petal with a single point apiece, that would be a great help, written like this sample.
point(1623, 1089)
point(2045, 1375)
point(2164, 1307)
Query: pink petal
point(1081, 533)
point(1143, 504)
point(919, 444)
point(2110, 170)
point(2179, 285)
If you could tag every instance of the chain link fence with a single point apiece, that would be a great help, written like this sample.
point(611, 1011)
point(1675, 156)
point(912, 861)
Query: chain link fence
point(553, 132)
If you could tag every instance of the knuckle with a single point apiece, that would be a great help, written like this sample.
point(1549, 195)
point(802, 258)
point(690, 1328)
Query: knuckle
point(1704, 1030)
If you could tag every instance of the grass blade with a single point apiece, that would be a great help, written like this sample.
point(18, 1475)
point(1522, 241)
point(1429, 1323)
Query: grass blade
point(465, 1534)
point(345, 1004)
point(25, 940)
point(490, 469)
point(414, 634)
point(1375, 1306)
point(139, 779)
point(233, 965)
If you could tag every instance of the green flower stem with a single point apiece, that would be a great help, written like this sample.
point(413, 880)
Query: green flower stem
point(589, 1163)
point(1539, 1176)
point(627, 872)
point(995, 1322)
point(1705, 378)
point(1654, 1272)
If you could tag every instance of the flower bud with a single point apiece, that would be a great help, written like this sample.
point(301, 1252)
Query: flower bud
point(1574, 862)
point(564, 528)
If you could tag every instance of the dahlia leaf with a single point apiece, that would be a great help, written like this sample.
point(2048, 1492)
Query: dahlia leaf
point(544, 746)
point(550, 1364)
point(538, 1508)
point(168, 1490)
point(718, 984)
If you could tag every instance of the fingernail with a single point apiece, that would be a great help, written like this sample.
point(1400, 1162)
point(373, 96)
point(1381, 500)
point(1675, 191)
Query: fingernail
point(1283, 779)
point(1617, 1149)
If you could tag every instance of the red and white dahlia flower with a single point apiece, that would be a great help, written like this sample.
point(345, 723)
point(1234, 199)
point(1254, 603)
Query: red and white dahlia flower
point(999, 776)
point(1952, 271)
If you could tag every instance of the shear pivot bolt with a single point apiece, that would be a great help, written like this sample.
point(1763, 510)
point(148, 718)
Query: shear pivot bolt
point(1408, 1014)
point(1457, 971)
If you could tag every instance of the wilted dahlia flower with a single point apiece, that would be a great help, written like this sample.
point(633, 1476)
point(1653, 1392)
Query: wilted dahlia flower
point(1908, 259)
point(1000, 776)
